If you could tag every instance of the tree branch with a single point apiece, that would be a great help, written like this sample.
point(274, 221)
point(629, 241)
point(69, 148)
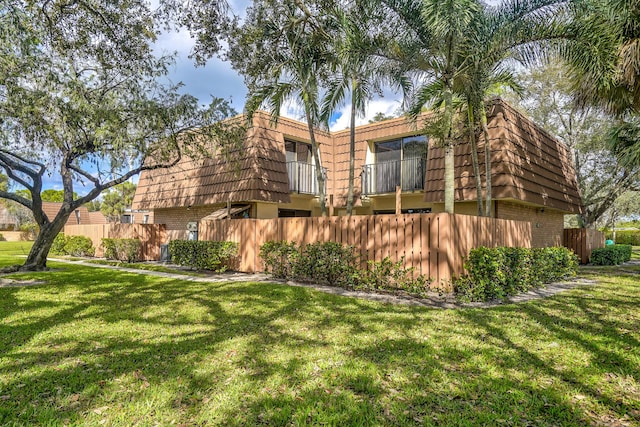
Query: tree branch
point(18, 199)
point(8, 157)
point(84, 173)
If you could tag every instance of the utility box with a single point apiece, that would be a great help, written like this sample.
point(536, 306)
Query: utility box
point(164, 253)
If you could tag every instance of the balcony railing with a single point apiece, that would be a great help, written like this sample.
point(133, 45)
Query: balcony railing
point(302, 177)
point(384, 177)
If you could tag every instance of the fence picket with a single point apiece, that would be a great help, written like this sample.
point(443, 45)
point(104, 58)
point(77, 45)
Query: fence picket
point(433, 244)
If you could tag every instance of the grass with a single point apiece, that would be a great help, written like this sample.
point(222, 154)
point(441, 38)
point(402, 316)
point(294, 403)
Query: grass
point(146, 266)
point(98, 347)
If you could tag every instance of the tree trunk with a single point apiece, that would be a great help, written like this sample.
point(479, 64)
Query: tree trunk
point(449, 157)
point(449, 179)
point(37, 258)
point(487, 162)
point(352, 152)
point(474, 158)
point(316, 154)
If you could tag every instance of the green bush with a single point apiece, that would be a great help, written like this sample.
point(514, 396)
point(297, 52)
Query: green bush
point(78, 246)
point(328, 263)
point(336, 265)
point(203, 255)
point(389, 275)
point(57, 247)
point(128, 250)
point(611, 255)
point(625, 237)
point(29, 231)
point(496, 273)
point(279, 258)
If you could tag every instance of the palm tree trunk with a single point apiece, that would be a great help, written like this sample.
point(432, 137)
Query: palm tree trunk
point(316, 155)
point(449, 156)
point(487, 160)
point(352, 150)
point(474, 158)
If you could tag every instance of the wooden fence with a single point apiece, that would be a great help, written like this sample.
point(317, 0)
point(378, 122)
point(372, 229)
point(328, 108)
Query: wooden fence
point(582, 241)
point(151, 236)
point(434, 244)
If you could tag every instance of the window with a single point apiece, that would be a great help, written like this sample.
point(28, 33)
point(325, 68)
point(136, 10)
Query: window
point(410, 147)
point(404, 211)
point(297, 151)
point(301, 167)
point(290, 213)
point(398, 162)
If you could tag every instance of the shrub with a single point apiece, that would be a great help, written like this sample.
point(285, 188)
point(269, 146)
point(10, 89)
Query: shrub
point(29, 231)
point(611, 255)
point(625, 237)
point(327, 263)
point(389, 275)
point(279, 258)
point(334, 264)
point(57, 247)
point(496, 273)
point(122, 249)
point(203, 255)
point(78, 246)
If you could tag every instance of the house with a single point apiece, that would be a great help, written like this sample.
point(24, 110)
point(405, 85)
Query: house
point(8, 221)
point(134, 216)
point(274, 176)
point(80, 216)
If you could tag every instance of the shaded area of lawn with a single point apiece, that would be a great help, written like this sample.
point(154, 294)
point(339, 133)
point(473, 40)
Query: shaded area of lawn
point(98, 347)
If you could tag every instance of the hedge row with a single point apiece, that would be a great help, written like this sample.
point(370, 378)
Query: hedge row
point(496, 273)
point(611, 255)
point(625, 237)
point(203, 255)
point(128, 250)
point(72, 245)
point(334, 264)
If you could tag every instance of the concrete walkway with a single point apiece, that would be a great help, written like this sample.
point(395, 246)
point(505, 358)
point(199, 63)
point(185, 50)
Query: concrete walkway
point(433, 300)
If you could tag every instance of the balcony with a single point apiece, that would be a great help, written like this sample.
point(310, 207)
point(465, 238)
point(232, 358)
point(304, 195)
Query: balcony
point(302, 177)
point(384, 177)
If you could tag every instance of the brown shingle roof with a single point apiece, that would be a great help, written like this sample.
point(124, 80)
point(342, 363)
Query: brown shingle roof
point(528, 164)
point(51, 209)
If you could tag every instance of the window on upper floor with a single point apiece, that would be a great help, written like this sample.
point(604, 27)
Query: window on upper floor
point(297, 151)
point(410, 147)
point(398, 162)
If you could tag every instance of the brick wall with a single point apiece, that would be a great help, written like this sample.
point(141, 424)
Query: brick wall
point(176, 219)
point(546, 226)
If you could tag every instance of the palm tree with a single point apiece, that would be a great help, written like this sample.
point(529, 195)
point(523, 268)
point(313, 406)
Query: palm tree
point(291, 70)
point(358, 70)
point(603, 52)
point(458, 48)
point(435, 33)
point(603, 49)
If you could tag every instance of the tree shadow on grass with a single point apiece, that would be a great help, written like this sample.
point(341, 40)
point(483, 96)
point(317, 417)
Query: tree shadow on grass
point(99, 346)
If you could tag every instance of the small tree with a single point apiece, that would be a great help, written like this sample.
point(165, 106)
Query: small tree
point(116, 200)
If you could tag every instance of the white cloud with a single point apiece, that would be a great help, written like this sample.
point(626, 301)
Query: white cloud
point(386, 106)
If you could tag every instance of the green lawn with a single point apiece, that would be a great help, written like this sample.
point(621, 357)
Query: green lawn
point(98, 347)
